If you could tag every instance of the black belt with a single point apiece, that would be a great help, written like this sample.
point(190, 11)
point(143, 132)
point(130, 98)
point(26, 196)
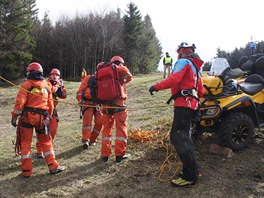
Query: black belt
point(35, 110)
point(182, 93)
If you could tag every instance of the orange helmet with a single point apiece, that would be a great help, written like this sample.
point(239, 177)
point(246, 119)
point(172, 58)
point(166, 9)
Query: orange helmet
point(100, 65)
point(55, 71)
point(117, 59)
point(34, 67)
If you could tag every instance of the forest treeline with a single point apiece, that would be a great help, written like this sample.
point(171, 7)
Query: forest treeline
point(71, 44)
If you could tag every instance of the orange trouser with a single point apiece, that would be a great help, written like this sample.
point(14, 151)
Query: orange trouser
point(87, 133)
point(53, 128)
point(120, 118)
point(29, 121)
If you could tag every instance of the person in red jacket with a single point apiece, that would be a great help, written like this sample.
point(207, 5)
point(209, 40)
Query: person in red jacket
point(58, 91)
point(91, 112)
point(34, 105)
point(117, 116)
point(186, 88)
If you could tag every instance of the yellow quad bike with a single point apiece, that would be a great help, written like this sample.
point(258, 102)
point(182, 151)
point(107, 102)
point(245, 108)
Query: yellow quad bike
point(230, 109)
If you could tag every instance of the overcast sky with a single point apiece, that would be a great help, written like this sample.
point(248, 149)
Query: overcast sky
point(209, 24)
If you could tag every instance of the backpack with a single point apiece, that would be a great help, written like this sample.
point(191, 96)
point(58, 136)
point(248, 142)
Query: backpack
point(106, 85)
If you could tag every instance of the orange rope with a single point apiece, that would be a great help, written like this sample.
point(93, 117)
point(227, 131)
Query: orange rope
point(167, 166)
point(77, 104)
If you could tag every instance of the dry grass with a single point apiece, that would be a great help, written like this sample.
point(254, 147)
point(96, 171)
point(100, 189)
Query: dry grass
point(87, 176)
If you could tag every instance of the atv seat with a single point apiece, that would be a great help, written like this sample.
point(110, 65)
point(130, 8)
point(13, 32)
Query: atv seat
point(253, 84)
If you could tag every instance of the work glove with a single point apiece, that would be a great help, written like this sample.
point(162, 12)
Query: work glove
point(14, 121)
point(152, 89)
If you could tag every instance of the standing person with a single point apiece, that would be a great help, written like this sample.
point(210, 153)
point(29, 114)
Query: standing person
point(35, 106)
point(90, 111)
point(117, 116)
point(186, 87)
point(84, 73)
point(167, 63)
point(58, 91)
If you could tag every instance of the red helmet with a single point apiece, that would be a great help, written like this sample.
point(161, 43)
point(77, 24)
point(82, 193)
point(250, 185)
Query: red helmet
point(186, 48)
point(55, 71)
point(34, 67)
point(100, 65)
point(117, 59)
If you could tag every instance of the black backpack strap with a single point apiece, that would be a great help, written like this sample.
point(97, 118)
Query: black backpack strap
point(173, 97)
point(183, 93)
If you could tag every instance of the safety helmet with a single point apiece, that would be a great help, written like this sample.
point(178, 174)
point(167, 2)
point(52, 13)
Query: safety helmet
point(100, 65)
point(55, 71)
point(117, 59)
point(186, 47)
point(34, 67)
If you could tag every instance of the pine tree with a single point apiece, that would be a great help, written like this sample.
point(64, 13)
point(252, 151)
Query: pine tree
point(16, 23)
point(43, 35)
point(133, 35)
point(151, 50)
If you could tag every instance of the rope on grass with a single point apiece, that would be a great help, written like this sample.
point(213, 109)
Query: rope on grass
point(167, 165)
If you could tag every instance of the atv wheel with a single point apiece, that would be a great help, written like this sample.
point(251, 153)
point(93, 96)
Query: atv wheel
point(236, 131)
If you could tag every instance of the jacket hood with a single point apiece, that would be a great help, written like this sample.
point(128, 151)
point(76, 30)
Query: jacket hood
point(196, 60)
point(37, 80)
point(35, 75)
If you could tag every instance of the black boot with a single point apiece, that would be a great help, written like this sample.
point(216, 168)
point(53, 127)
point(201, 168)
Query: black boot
point(121, 158)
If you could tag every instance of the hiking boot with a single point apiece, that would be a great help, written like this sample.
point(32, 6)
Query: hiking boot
point(121, 158)
point(26, 176)
point(105, 159)
point(86, 145)
point(92, 144)
point(199, 174)
point(39, 155)
point(179, 182)
point(57, 170)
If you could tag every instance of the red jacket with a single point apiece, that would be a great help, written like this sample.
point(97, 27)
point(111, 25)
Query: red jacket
point(184, 76)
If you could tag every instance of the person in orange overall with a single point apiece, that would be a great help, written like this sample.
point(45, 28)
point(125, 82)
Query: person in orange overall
point(90, 109)
point(118, 116)
point(58, 91)
point(34, 105)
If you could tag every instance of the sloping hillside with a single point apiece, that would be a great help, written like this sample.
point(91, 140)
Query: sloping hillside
point(87, 176)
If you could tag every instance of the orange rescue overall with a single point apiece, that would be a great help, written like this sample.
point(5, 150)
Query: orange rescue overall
point(34, 105)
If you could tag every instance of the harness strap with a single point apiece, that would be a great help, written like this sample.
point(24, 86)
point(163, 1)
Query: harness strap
point(182, 93)
point(35, 110)
point(29, 126)
point(112, 111)
point(26, 125)
point(94, 108)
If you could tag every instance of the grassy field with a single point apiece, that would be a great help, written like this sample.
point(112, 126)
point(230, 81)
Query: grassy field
point(86, 176)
